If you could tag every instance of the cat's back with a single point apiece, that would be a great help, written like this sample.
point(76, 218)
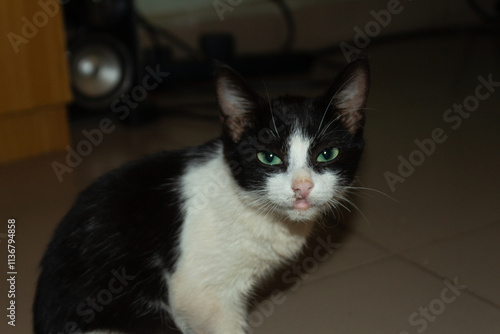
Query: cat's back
point(123, 228)
point(139, 192)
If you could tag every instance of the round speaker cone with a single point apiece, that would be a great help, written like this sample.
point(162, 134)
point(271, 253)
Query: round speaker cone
point(97, 71)
point(102, 68)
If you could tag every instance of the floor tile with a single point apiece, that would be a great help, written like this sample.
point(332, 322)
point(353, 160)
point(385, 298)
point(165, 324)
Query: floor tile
point(390, 296)
point(474, 256)
point(450, 186)
point(336, 251)
point(398, 246)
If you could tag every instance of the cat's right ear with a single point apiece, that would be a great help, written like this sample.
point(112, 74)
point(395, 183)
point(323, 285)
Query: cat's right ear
point(237, 102)
point(349, 92)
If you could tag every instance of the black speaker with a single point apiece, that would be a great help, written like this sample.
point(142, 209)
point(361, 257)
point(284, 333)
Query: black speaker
point(103, 51)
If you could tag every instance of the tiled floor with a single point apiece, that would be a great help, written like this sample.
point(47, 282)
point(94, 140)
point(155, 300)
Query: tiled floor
point(424, 258)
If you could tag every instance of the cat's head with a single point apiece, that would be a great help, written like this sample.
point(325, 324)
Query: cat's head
point(294, 156)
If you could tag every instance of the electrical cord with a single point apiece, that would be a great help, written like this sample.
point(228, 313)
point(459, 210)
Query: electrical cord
point(290, 25)
point(335, 49)
point(156, 32)
point(486, 15)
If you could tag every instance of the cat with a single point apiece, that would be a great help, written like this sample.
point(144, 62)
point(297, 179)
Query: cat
point(177, 242)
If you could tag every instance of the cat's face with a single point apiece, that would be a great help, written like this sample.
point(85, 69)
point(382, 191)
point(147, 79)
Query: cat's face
point(294, 156)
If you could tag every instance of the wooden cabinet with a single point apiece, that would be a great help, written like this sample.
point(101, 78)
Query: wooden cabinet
point(34, 79)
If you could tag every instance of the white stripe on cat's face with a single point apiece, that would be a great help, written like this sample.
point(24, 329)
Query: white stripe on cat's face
point(287, 189)
point(298, 154)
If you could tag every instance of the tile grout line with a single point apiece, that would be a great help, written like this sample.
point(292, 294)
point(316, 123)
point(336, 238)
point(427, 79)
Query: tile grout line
point(385, 256)
point(349, 269)
point(390, 253)
point(401, 257)
point(457, 234)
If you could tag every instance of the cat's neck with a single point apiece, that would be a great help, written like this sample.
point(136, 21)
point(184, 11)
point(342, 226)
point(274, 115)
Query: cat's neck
point(211, 188)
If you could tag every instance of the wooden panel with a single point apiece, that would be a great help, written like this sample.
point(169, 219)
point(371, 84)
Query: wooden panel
point(33, 63)
point(34, 81)
point(33, 132)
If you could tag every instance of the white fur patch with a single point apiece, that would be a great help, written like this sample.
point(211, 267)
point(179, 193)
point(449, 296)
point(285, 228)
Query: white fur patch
point(279, 186)
point(226, 246)
point(298, 155)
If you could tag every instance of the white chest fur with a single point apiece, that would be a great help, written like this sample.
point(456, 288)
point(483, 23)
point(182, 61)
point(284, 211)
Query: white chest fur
point(226, 247)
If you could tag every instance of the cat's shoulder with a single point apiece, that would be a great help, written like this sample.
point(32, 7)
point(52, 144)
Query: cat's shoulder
point(157, 168)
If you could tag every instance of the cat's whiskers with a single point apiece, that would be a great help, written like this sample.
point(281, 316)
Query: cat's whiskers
point(332, 98)
point(267, 208)
point(356, 191)
point(337, 204)
point(332, 132)
point(335, 210)
point(345, 198)
point(262, 205)
point(323, 132)
point(271, 110)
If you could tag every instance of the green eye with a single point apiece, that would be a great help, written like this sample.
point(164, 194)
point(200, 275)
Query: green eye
point(328, 154)
point(269, 158)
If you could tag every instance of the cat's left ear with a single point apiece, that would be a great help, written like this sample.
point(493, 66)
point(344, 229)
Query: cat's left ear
point(237, 102)
point(349, 93)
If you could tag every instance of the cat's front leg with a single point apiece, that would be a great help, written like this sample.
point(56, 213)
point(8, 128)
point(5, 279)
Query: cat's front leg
point(206, 310)
point(197, 320)
point(185, 329)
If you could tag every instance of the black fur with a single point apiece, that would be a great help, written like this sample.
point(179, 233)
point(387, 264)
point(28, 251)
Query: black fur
point(105, 266)
point(279, 116)
point(126, 223)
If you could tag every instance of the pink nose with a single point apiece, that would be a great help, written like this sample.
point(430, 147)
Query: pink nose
point(302, 187)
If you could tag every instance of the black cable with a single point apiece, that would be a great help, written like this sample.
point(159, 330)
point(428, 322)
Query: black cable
point(153, 36)
point(413, 35)
point(155, 32)
point(484, 14)
point(290, 25)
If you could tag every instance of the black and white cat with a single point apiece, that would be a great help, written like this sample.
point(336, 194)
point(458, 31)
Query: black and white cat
point(180, 239)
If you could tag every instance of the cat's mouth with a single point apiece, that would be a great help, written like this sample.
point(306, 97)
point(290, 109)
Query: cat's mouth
point(302, 204)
